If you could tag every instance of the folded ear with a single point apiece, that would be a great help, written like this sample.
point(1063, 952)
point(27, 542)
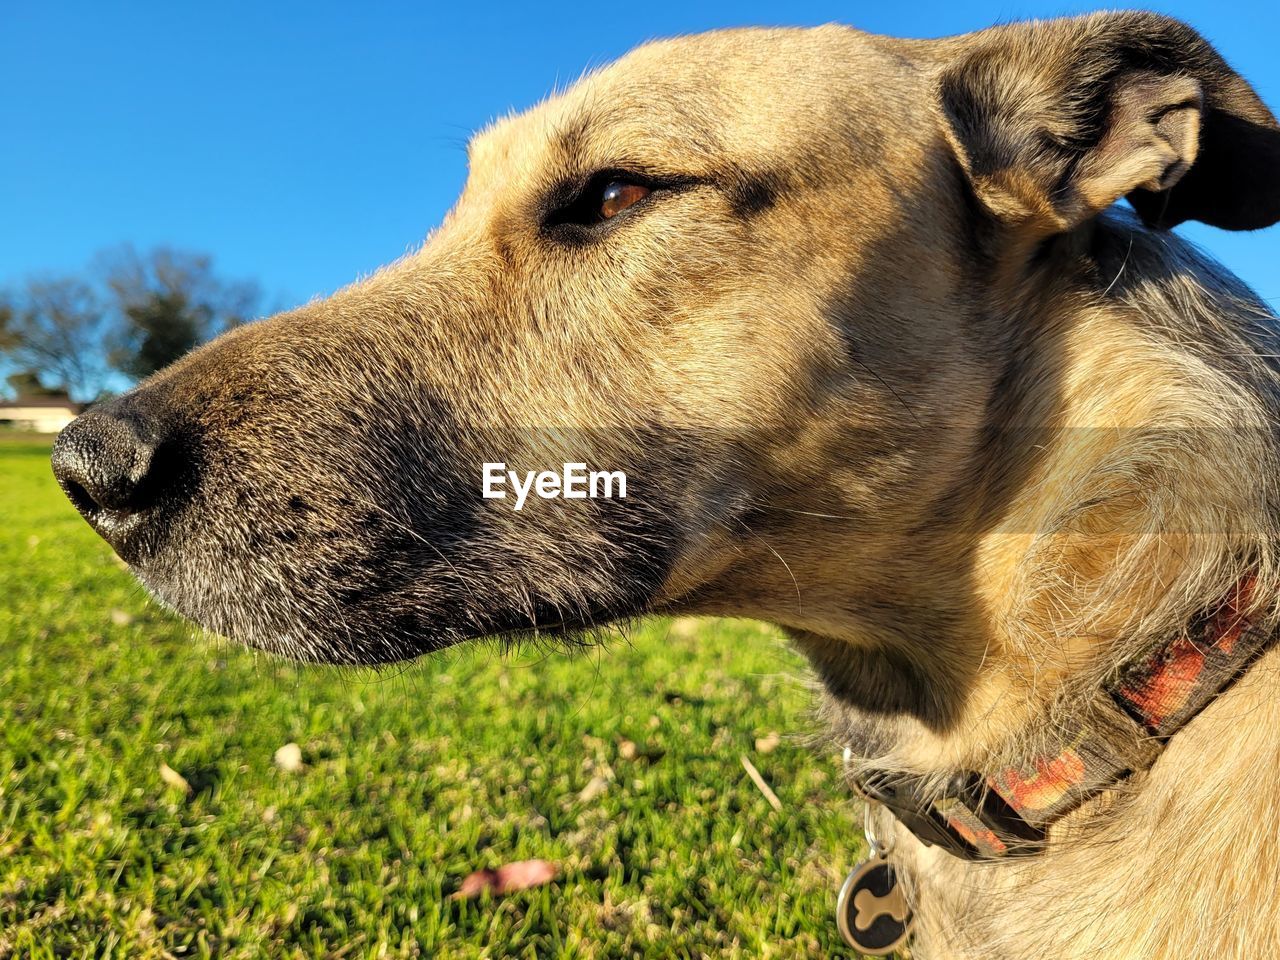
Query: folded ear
point(1055, 121)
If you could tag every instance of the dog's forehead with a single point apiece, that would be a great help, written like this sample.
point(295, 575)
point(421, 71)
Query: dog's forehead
point(680, 106)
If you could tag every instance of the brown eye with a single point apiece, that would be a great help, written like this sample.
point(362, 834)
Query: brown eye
point(618, 195)
point(577, 212)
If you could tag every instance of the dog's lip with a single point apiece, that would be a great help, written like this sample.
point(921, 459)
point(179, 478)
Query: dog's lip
point(123, 531)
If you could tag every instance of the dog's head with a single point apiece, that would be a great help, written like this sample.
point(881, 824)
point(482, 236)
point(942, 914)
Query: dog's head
point(754, 271)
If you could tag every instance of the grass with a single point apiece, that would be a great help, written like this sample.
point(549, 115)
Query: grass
point(412, 779)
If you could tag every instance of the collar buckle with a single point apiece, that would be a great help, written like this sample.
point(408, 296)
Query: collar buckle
point(966, 820)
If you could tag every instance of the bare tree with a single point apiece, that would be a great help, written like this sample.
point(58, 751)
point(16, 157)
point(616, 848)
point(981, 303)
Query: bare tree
point(58, 327)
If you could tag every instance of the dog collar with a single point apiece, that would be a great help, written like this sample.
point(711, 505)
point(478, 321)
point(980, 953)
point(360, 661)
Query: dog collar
point(1006, 812)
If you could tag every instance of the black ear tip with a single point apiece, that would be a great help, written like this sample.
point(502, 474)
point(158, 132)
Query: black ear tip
point(1234, 183)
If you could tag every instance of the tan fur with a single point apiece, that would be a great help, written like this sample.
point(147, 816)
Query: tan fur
point(880, 369)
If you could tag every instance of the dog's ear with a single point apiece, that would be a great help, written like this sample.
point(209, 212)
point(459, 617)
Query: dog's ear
point(1055, 121)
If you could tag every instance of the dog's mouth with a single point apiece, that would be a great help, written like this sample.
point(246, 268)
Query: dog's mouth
point(309, 622)
point(348, 573)
point(262, 612)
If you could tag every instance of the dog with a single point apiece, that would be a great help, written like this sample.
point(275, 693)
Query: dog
point(882, 364)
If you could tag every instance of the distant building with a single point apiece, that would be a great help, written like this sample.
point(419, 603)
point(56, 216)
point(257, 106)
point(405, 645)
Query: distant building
point(39, 414)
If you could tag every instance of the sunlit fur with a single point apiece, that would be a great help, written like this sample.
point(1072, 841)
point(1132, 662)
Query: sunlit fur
point(1183, 860)
point(879, 371)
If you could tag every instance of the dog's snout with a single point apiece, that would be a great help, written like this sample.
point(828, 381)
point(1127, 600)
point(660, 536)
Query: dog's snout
point(109, 463)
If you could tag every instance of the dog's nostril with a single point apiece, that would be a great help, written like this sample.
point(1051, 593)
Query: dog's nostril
point(105, 462)
point(79, 497)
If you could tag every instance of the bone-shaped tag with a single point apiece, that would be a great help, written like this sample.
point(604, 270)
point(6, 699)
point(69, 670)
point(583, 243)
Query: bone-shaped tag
point(873, 913)
point(869, 907)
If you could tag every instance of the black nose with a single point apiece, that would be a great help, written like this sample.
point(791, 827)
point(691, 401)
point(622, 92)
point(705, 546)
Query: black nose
point(107, 464)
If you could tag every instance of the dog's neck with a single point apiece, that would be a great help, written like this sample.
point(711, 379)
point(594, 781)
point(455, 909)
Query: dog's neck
point(1143, 501)
point(1099, 523)
point(1008, 811)
point(1180, 862)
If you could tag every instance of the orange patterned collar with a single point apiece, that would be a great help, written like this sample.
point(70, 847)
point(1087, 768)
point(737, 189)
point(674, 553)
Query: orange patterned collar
point(1006, 812)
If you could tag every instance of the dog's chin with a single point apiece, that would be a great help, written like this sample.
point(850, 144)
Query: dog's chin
point(387, 629)
point(321, 645)
point(315, 645)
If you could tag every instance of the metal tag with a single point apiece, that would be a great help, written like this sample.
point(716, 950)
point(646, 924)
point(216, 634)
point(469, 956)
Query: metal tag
point(872, 911)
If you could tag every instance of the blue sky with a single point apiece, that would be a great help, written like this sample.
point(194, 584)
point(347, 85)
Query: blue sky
point(304, 144)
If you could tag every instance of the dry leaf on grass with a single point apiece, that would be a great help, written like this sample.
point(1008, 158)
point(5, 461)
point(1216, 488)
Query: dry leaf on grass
point(173, 778)
point(289, 758)
point(768, 743)
point(508, 878)
point(595, 786)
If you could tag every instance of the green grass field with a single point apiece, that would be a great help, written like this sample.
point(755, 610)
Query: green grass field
point(620, 765)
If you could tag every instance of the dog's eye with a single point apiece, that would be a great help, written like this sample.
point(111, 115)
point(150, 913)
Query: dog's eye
point(618, 195)
point(600, 199)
